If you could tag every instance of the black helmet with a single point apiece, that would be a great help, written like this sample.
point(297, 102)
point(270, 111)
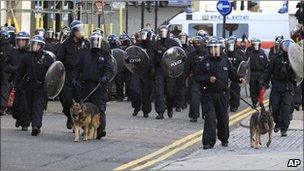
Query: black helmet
point(35, 42)
point(40, 32)
point(23, 35)
point(4, 36)
point(114, 41)
point(214, 46)
point(125, 40)
point(49, 34)
point(145, 34)
point(77, 26)
point(163, 31)
point(183, 37)
point(256, 43)
point(96, 40)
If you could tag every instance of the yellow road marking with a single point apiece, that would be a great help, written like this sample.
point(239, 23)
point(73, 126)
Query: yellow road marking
point(183, 143)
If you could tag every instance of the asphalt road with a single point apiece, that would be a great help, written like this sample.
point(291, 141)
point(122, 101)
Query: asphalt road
point(128, 138)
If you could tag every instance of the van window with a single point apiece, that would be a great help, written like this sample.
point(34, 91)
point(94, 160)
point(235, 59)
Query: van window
point(194, 27)
point(232, 29)
point(175, 29)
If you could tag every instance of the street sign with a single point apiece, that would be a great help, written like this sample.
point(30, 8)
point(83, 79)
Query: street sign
point(223, 7)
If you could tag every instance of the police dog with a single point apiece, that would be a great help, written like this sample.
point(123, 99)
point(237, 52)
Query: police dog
point(86, 116)
point(260, 124)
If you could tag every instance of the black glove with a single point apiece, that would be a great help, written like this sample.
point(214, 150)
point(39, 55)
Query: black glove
point(104, 80)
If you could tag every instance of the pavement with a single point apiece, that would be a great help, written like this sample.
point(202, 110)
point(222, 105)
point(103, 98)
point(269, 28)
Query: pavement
point(240, 156)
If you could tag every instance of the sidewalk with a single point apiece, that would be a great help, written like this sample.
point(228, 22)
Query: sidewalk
point(239, 156)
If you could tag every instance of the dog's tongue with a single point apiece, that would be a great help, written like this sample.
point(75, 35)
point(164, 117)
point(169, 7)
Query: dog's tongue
point(266, 126)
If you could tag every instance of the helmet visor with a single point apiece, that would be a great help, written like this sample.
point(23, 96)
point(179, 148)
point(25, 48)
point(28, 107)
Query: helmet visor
point(183, 39)
point(231, 46)
point(35, 46)
point(256, 45)
point(143, 35)
point(79, 30)
point(215, 50)
point(96, 41)
point(163, 33)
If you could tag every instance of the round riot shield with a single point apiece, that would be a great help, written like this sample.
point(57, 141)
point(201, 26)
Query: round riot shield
point(54, 79)
point(137, 59)
point(114, 66)
point(295, 56)
point(244, 70)
point(172, 62)
point(120, 56)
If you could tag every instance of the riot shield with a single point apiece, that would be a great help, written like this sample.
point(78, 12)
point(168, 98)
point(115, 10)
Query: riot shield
point(243, 70)
point(54, 79)
point(295, 56)
point(120, 56)
point(173, 62)
point(137, 59)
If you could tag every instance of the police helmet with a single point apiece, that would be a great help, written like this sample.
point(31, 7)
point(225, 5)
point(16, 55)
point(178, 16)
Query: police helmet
point(40, 32)
point(231, 43)
point(114, 41)
point(214, 46)
point(96, 40)
point(36, 43)
point(125, 40)
point(4, 36)
point(202, 33)
point(23, 35)
point(285, 44)
point(183, 37)
point(145, 34)
point(49, 34)
point(77, 26)
point(256, 43)
point(163, 31)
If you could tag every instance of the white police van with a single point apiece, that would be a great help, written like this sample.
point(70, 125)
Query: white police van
point(264, 26)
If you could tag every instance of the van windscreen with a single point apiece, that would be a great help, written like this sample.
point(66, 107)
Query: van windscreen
point(194, 27)
point(232, 29)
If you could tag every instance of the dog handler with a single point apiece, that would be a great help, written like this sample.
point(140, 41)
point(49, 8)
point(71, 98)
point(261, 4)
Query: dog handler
point(95, 67)
point(213, 74)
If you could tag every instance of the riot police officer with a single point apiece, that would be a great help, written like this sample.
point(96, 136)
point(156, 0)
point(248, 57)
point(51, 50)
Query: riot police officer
point(213, 74)
point(125, 41)
point(192, 63)
point(235, 57)
point(5, 48)
point(282, 77)
point(141, 80)
point(258, 63)
point(19, 110)
point(12, 35)
point(50, 40)
point(34, 66)
point(275, 50)
point(161, 46)
point(96, 68)
point(69, 53)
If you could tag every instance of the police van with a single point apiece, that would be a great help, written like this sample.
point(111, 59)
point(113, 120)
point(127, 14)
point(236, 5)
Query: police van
point(264, 26)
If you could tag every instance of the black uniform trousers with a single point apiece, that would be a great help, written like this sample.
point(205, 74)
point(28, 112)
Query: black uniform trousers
point(234, 98)
point(141, 89)
point(255, 85)
point(99, 98)
point(216, 117)
point(36, 99)
point(181, 91)
point(195, 99)
point(281, 105)
point(69, 93)
point(159, 94)
point(122, 80)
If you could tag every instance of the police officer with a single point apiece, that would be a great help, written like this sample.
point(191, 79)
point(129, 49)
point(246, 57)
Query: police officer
point(69, 53)
point(19, 110)
point(12, 35)
point(192, 63)
point(235, 57)
point(125, 41)
point(34, 66)
point(275, 50)
point(5, 48)
point(141, 80)
point(282, 77)
point(213, 74)
point(162, 45)
point(50, 39)
point(96, 68)
point(258, 63)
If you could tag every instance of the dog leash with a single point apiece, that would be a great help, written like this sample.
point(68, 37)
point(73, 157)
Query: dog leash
point(98, 85)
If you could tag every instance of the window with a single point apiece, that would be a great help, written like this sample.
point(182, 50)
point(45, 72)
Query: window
point(232, 29)
point(193, 28)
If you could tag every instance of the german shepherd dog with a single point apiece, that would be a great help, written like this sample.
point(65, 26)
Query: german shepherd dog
point(260, 124)
point(86, 116)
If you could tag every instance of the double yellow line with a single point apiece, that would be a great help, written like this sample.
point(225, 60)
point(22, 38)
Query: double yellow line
point(179, 145)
